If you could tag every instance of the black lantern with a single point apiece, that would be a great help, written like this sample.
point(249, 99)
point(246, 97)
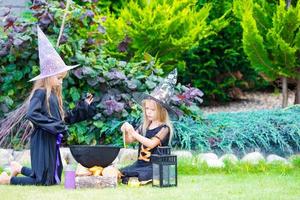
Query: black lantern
point(164, 168)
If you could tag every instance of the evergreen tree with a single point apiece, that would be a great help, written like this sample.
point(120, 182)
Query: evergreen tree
point(271, 38)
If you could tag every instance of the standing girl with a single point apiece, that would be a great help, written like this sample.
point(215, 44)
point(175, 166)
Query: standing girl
point(156, 129)
point(46, 113)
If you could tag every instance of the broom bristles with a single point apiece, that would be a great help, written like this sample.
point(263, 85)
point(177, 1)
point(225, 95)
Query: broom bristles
point(13, 123)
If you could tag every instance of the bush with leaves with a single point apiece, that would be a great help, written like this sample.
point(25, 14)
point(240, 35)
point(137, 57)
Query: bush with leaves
point(16, 62)
point(269, 131)
point(271, 40)
point(112, 81)
point(113, 89)
point(163, 29)
point(105, 5)
point(218, 64)
point(19, 55)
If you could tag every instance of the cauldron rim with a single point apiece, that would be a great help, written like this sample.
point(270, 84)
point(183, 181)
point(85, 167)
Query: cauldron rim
point(92, 160)
point(93, 146)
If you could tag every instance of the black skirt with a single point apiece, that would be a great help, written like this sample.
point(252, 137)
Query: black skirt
point(140, 169)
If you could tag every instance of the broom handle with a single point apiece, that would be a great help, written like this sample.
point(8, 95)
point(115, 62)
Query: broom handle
point(63, 23)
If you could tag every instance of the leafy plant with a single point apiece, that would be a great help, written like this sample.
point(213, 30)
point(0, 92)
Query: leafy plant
point(271, 39)
point(218, 64)
point(273, 131)
point(163, 29)
point(113, 90)
point(112, 81)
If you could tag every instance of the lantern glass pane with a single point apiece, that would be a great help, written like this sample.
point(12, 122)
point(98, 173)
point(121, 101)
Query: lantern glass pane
point(156, 174)
point(172, 174)
point(166, 175)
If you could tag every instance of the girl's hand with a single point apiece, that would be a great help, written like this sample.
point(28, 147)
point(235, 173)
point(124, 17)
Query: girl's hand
point(130, 129)
point(89, 98)
point(124, 127)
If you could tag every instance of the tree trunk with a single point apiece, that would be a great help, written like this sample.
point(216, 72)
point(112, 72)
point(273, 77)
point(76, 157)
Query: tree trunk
point(284, 92)
point(297, 93)
point(288, 3)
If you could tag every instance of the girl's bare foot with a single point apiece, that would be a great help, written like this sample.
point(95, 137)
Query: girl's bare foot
point(15, 168)
point(4, 178)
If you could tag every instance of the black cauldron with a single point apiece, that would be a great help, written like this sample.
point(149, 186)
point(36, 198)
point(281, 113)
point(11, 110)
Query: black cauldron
point(98, 155)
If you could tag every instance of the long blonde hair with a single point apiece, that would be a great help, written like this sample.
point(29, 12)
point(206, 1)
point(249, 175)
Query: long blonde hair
point(47, 84)
point(162, 116)
point(16, 122)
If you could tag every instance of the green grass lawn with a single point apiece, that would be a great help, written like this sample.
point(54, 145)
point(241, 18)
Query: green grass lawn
point(209, 186)
point(196, 181)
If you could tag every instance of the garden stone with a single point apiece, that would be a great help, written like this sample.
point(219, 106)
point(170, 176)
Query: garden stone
point(127, 155)
point(115, 162)
point(293, 157)
point(64, 163)
point(7, 169)
point(204, 157)
point(182, 154)
point(17, 155)
point(274, 158)
point(22, 157)
point(215, 163)
point(5, 157)
point(253, 158)
point(229, 157)
point(66, 156)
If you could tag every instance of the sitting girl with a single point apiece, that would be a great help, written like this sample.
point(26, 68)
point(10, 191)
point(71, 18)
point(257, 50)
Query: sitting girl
point(156, 129)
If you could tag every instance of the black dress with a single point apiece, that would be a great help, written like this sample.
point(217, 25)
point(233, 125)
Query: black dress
point(46, 165)
point(142, 168)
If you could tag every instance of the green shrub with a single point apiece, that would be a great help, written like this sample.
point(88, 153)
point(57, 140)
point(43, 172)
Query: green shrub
point(111, 81)
point(218, 64)
point(269, 131)
point(163, 29)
